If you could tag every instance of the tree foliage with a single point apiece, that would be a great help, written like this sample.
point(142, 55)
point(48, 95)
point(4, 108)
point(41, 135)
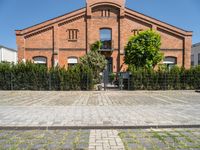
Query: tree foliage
point(143, 50)
point(94, 60)
point(96, 46)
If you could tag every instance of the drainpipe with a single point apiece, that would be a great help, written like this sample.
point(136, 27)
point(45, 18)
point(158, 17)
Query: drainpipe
point(2, 54)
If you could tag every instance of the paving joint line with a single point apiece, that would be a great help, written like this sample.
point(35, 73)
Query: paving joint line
point(95, 127)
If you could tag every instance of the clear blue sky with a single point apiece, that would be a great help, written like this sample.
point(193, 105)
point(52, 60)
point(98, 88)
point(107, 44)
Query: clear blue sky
point(19, 14)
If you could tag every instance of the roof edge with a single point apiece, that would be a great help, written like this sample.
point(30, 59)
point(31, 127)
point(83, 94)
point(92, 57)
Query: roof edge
point(19, 30)
point(196, 44)
point(159, 21)
point(1, 46)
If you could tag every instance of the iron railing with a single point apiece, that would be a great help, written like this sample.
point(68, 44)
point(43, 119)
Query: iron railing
point(107, 45)
point(46, 82)
point(160, 82)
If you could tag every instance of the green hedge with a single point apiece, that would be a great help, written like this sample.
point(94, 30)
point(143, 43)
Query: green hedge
point(29, 76)
point(173, 79)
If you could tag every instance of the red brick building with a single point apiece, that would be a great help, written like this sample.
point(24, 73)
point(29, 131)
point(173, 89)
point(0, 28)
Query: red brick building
point(63, 40)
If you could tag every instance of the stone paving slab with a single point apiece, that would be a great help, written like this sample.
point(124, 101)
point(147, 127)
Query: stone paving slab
point(93, 98)
point(161, 139)
point(44, 139)
point(112, 108)
point(105, 140)
point(137, 139)
point(100, 115)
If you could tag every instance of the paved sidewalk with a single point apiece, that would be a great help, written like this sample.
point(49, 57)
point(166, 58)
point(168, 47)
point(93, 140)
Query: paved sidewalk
point(105, 140)
point(100, 115)
point(161, 139)
point(137, 139)
point(93, 98)
point(99, 108)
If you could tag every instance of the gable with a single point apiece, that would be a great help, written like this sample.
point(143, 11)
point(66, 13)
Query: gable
point(63, 34)
point(40, 39)
point(154, 22)
point(170, 40)
point(132, 26)
point(69, 17)
point(105, 11)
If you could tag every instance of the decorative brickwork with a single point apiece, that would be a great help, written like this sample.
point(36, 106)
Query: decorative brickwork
point(72, 34)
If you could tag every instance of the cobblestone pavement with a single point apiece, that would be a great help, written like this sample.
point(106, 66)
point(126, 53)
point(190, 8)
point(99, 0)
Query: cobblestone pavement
point(91, 98)
point(163, 139)
point(149, 139)
point(113, 108)
point(44, 139)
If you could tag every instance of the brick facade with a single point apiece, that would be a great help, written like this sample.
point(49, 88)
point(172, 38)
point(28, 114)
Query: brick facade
point(72, 34)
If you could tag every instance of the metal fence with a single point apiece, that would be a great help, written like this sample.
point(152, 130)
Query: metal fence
point(45, 82)
point(160, 82)
point(48, 82)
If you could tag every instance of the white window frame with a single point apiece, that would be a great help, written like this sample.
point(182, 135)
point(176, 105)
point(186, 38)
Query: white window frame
point(170, 61)
point(71, 61)
point(40, 60)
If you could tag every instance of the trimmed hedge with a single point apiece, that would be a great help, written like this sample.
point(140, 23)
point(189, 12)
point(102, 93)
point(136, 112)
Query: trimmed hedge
point(173, 79)
point(29, 76)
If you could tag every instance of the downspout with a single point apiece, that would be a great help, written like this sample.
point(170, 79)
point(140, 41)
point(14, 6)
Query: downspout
point(183, 61)
point(2, 54)
point(53, 46)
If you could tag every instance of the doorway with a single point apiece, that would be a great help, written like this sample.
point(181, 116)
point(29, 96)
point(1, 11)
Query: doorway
point(109, 64)
point(108, 70)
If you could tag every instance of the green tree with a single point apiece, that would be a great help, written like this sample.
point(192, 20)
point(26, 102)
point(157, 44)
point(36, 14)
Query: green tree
point(95, 61)
point(143, 50)
point(96, 46)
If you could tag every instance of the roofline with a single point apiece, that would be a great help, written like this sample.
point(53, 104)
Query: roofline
point(195, 45)
point(51, 19)
point(85, 8)
point(1, 46)
point(159, 20)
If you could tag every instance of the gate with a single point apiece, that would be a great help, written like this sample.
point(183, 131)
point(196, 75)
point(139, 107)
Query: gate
point(122, 81)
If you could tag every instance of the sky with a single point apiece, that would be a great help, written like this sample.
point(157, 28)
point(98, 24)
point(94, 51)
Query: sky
point(19, 14)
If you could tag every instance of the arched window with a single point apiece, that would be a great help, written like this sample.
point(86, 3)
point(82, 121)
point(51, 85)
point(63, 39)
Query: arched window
point(106, 38)
point(170, 61)
point(40, 60)
point(72, 61)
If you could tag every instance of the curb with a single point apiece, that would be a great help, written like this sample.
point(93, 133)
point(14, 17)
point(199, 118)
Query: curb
point(94, 127)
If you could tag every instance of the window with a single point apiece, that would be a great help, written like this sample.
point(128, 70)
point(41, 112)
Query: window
point(72, 34)
point(192, 60)
point(72, 61)
point(136, 31)
point(40, 60)
point(170, 61)
point(199, 59)
point(106, 38)
point(105, 13)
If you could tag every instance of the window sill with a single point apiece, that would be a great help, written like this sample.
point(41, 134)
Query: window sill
point(72, 40)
